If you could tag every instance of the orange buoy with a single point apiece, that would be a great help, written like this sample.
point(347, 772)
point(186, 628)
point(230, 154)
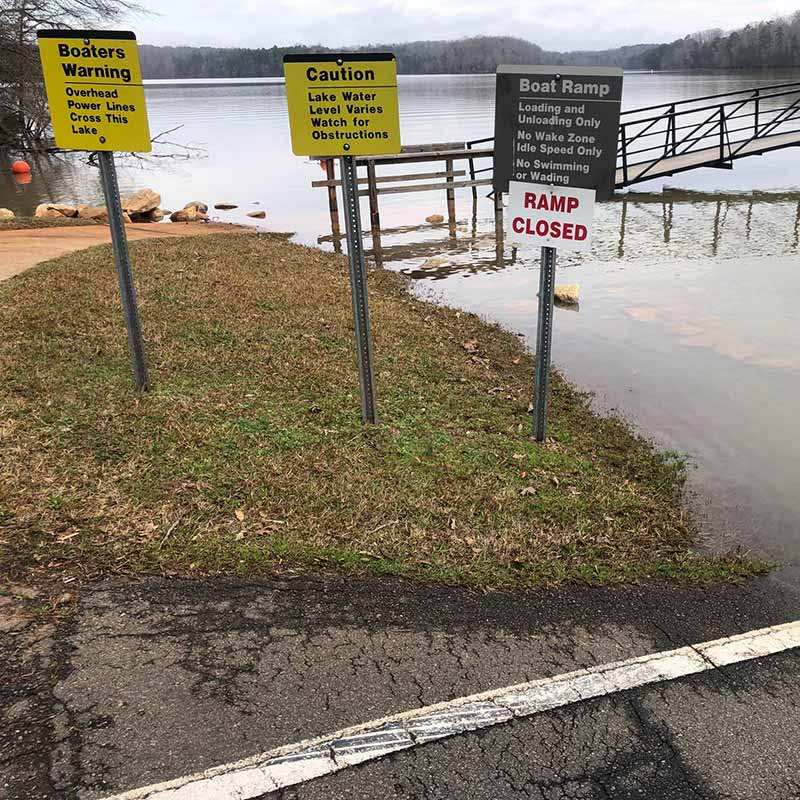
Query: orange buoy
point(20, 167)
point(22, 178)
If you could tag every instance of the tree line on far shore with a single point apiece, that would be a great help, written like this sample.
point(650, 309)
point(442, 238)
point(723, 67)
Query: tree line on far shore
point(772, 43)
point(474, 55)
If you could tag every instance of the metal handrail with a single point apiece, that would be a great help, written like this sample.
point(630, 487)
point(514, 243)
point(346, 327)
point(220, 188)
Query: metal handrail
point(689, 138)
point(715, 126)
point(708, 97)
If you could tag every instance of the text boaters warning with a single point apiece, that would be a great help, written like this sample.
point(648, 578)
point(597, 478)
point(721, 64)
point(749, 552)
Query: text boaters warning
point(557, 126)
point(342, 104)
point(94, 89)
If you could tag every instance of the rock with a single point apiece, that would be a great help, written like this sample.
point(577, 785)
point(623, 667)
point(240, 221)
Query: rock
point(188, 215)
point(126, 217)
point(225, 206)
point(153, 215)
point(6, 213)
point(64, 599)
point(97, 213)
point(142, 201)
point(434, 219)
point(567, 293)
point(64, 210)
point(198, 206)
point(46, 211)
point(257, 214)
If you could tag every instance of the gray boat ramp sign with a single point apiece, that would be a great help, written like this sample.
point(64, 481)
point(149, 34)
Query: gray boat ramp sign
point(557, 126)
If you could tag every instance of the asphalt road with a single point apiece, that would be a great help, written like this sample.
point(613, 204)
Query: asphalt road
point(149, 681)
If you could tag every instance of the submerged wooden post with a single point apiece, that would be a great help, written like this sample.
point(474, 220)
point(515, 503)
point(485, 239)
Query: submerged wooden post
point(498, 226)
point(451, 197)
point(472, 177)
point(374, 213)
point(333, 205)
point(372, 189)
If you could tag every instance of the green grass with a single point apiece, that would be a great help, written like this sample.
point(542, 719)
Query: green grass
point(248, 456)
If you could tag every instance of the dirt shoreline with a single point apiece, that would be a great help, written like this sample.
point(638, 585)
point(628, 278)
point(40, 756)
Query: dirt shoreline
point(24, 248)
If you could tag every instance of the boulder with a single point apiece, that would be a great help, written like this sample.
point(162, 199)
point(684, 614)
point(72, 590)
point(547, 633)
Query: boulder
point(153, 215)
point(567, 293)
point(225, 206)
point(257, 214)
point(6, 213)
point(46, 211)
point(188, 215)
point(434, 219)
point(141, 202)
point(64, 210)
point(97, 213)
point(198, 205)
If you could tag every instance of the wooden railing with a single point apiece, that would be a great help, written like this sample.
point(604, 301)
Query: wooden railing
point(447, 179)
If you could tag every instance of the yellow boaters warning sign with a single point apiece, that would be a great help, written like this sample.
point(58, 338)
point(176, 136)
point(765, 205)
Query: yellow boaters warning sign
point(342, 104)
point(94, 89)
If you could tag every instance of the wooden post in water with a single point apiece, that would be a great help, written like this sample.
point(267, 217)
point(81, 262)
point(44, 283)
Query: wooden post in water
point(498, 226)
point(333, 205)
point(472, 177)
point(451, 197)
point(374, 213)
point(372, 189)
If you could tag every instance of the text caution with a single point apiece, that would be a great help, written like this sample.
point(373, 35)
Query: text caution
point(342, 105)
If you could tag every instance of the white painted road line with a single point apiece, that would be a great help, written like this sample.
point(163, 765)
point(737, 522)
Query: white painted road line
point(303, 761)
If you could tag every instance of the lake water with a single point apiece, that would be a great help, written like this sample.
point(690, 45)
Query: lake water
point(688, 322)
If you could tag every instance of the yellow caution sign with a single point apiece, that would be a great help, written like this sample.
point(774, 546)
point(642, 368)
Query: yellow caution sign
point(343, 105)
point(94, 89)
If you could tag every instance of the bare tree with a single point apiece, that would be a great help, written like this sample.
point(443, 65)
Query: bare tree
point(23, 107)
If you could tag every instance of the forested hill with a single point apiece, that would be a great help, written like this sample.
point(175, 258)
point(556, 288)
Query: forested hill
point(480, 54)
point(774, 43)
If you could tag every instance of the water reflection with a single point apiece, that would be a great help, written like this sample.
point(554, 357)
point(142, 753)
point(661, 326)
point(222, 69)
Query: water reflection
point(634, 228)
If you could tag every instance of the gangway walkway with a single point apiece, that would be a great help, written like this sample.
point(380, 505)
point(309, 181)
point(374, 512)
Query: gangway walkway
point(709, 131)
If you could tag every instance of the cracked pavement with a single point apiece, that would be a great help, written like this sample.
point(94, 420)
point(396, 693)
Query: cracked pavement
point(155, 679)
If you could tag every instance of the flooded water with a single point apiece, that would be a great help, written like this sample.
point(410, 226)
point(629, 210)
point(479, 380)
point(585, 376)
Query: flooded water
point(688, 322)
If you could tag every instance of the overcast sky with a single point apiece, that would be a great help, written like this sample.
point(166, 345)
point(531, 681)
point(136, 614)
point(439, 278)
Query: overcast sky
point(561, 25)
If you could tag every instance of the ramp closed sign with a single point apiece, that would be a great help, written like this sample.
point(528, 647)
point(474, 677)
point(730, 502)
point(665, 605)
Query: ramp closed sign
point(342, 105)
point(547, 216)
point(94, 89)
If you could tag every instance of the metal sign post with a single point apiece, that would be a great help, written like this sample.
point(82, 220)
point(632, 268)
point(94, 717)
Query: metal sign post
point(345, 104)
point(555, 148)
point(99, 72)
point(127, 291)
point(544, 341)
point(358, 287)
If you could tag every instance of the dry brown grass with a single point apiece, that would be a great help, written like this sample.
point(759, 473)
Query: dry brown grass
point(24, 223)
point(248, 455)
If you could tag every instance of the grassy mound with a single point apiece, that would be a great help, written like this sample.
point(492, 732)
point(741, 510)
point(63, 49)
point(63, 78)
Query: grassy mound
point(248, 455)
